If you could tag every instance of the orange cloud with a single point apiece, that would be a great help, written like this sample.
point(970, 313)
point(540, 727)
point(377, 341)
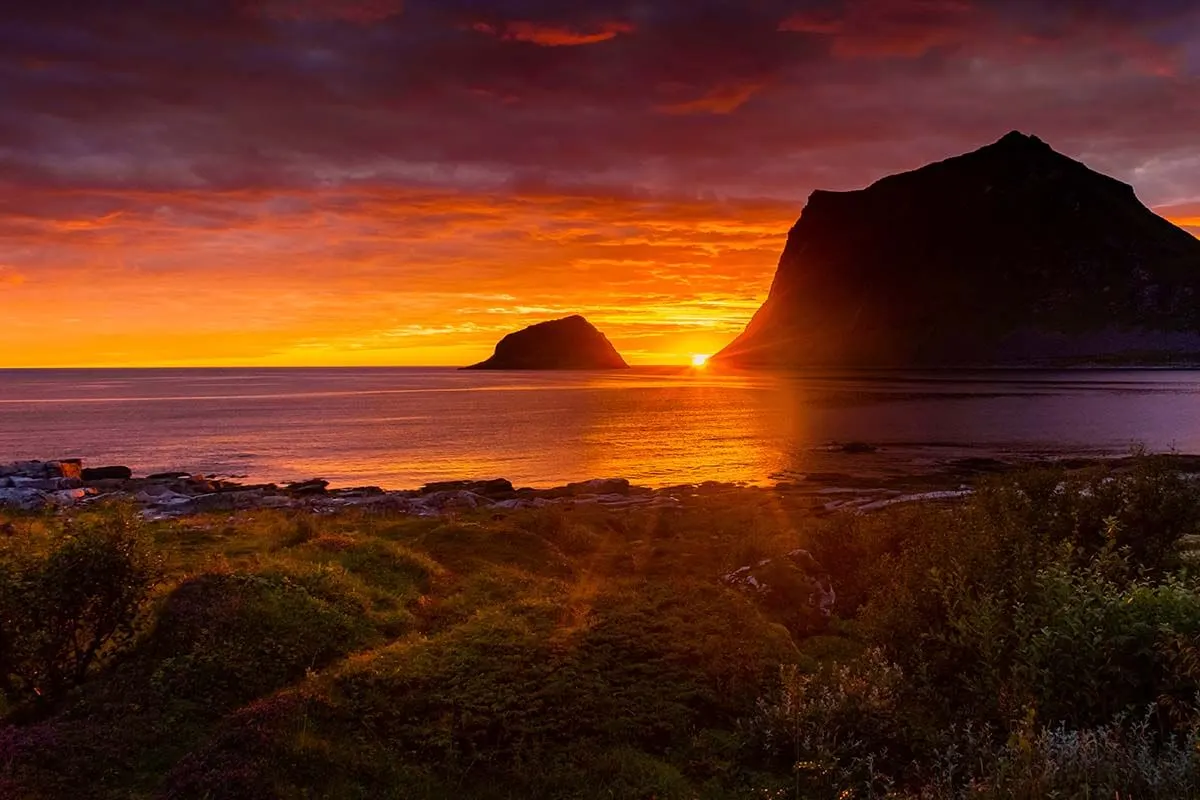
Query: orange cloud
point(554, 35)
point(723, 99)
point(10, 277)
point(360, 276)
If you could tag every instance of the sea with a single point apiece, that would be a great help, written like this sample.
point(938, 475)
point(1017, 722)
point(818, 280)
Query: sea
point(403, 427)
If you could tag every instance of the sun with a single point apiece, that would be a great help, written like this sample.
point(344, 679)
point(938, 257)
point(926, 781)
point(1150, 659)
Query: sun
point(700, 360)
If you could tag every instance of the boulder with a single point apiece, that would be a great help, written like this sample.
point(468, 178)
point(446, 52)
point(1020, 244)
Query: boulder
point(107, 474)
point(216, 501)
point(68, 497)
point(489, 488)
point(310, 487)
point(41, 469)
point(459, 500)
point(162, 497)
point(41, 484)
point(357, 492)
point(275, 501)
point(109, 485)
point(71, 468)
point(795, 588)
point(23, 499)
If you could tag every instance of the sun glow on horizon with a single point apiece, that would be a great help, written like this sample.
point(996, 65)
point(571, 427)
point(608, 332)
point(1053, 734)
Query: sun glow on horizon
point(700, 360)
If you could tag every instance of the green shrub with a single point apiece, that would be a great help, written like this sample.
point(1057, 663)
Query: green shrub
point(69, 603)
point(836, 730)
point(224, 639)
point(1143, 512)
point(1091, 650)
point(516, 697)
point(1031, 594)
point(465, 548)
point(1126, 758)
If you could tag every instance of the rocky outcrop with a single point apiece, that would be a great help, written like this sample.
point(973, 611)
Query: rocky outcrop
point(568, 343)
point(107, 474)
point(794, 588)
point(1011, 254)
point(34, 485)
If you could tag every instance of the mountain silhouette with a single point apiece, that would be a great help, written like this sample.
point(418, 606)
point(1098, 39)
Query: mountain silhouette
point(568, 343)
point(1011, 254)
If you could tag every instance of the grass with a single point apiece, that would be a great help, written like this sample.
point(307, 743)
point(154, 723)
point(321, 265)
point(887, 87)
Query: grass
point(1040, 639)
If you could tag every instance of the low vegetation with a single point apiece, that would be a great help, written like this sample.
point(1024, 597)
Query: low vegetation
point(1041, 639)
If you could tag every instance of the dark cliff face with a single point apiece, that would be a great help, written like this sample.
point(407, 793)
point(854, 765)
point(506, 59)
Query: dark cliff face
point(569, 343)
point(1010, 254)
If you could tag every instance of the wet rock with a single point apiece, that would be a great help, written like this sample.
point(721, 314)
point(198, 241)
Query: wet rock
point(216, 501)
point(275, 501)
point(517, 503)
point(42, 484)
point(598, 486)
point(71, 468)
point(162, 497)
point(23, 499)
point(358, 491)
point(68, 497)
point(107, 473)
point(489, 488)
point(168, 476)
point(109, 485)
point(152, 490)
point(451, 501)
point(198, 484)
point(311, 487)
point(250, 498)
point(41, 469)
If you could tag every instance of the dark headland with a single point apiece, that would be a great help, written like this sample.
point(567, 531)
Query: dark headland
point(1009, 255)
point(568, 343)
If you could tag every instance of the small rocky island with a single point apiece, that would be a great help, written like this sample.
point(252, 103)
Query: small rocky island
point(1013, 254)
point(568, 343)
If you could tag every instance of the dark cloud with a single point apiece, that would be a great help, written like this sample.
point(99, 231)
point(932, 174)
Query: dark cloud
point(757, 98)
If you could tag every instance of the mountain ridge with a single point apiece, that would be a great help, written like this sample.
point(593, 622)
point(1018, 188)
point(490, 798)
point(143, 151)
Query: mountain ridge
point(1010, 254)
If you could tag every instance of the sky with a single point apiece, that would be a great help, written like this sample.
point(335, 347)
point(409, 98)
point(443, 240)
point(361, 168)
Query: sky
point(401, 182)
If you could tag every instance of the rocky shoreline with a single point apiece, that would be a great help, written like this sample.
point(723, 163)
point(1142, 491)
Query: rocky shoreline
point(67, 483)
point(35, 485)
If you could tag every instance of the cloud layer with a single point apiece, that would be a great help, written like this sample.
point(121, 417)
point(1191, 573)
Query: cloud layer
point(370, 181)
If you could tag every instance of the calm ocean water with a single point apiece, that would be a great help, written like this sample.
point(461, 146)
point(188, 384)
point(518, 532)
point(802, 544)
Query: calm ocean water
point(399, 428)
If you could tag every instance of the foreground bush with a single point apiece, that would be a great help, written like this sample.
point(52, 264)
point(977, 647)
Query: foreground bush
point(1041, 639)
point(224, 639)
point(68, 601)
point(1046, 612)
